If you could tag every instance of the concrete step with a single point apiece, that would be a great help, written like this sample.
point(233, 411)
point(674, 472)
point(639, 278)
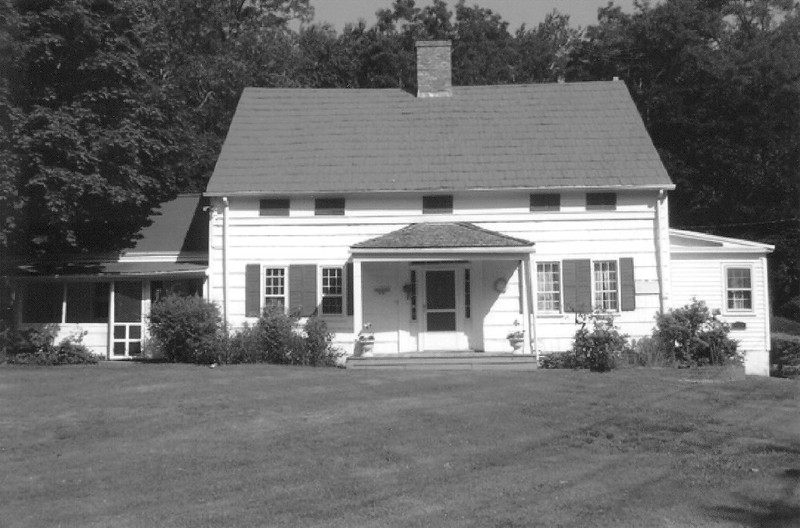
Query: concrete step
point(474, 361)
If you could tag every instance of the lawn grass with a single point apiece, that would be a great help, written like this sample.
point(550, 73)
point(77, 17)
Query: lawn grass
point(143, 445)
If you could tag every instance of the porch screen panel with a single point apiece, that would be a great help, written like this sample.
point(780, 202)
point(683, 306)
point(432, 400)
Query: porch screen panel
point(87, 302)
point(577, 277)
point(442, 322)
point(627, 284)
point(303, 289)
point(128, 302)
point(440, 290)
point(42, 302)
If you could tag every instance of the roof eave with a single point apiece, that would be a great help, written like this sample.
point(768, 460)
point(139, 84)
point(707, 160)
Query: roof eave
point(651, 187)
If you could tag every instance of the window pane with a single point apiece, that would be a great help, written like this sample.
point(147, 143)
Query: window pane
point(128, 302)
point(438, 204)
point(329, 206)
point(119, 349)
point(605, 285)
point(274, 207)
point(549, 286)
point(601, 200)
point(545, 202)
point(42, 303)
point(740, 289)
point(331, 305)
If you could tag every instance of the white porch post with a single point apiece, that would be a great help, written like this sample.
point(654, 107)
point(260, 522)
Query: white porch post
point(524, 275)
point(358, 316)
point(532, 277)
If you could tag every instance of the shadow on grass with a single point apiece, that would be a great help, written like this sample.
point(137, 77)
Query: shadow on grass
point(778, 513)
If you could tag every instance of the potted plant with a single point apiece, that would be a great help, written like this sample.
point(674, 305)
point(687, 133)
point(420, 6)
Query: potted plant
point(366, 340)
point(516, 338)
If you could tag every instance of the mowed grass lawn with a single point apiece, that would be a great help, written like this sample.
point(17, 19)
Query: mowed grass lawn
point(176, 445)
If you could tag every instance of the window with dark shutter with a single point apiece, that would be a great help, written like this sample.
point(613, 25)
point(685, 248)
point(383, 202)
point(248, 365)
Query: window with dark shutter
point(329, 206)
point(274, 207)
point(545, 202)
point(348, 271)
point(601, 201)
point(437, 204)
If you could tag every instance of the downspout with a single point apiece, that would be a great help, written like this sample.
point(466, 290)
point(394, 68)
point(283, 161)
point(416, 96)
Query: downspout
point(225, 207)
point(662, 249)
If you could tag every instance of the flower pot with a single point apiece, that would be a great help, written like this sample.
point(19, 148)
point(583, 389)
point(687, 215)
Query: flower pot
point(366, 348)
point(516, 344)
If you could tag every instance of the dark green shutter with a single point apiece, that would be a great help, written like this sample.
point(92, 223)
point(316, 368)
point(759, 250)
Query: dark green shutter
point(303, 289)
point(348, 270)
point(577, 278)
point(252, 290)
point(627, 285)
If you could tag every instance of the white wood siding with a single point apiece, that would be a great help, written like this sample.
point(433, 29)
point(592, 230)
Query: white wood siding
point(571, 233)
point(703, 277)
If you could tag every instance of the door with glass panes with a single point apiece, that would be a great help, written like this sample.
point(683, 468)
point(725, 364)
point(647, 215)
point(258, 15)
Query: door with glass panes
point(127, 321)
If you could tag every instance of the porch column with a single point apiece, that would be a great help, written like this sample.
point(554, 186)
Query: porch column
point(532, 276)
point(524, 276)
point(358, 316)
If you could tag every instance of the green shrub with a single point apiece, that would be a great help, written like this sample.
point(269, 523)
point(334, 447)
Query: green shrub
point(648, 352)
point(187, 329)
point(599, 349)
point(785, 357)
point(693, 335)
point(36, 347)
point(274, 338)
point(562, 360)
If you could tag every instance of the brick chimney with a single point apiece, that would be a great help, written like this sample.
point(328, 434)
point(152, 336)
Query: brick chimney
point(434, 72)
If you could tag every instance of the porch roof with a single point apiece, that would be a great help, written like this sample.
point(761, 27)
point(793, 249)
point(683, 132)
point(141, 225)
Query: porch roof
point(444, 236)
point(109, 269)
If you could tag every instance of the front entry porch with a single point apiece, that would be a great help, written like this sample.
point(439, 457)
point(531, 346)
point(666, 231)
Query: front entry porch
point(441, 293)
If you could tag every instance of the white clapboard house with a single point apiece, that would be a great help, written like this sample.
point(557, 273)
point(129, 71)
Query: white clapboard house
point(447, 218)
point(443, 220)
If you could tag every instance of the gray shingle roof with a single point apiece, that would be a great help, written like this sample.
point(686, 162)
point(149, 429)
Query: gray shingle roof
point(442, 235)
point(571, 135)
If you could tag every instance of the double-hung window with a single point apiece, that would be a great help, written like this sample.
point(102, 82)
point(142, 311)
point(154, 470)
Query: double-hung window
point(606, 285)
point(332, 291)
point(548, 286)
point(739, 289)
point(275, 287)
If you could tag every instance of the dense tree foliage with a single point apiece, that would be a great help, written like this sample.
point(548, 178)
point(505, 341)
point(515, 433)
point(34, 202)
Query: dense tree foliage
point(116, 105)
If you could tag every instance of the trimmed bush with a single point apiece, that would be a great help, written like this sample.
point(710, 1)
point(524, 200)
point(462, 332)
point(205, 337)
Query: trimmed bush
point(186, 329)
point(785, 357)
point(275, 338)
point(693, 335)
point(561, 360)
point(36, 347)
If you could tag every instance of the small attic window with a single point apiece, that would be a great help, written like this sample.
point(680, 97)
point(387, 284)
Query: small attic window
point(545, 202)
point(601, 201)
point(437, 204)
point(274, 207)
point(329, 206)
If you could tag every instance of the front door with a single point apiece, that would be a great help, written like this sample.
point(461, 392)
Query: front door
point(440, 311)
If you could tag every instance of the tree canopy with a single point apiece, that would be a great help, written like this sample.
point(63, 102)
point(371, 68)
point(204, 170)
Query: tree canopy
point(110, 107)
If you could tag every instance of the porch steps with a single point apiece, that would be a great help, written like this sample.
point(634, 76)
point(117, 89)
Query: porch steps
point(445, 361)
